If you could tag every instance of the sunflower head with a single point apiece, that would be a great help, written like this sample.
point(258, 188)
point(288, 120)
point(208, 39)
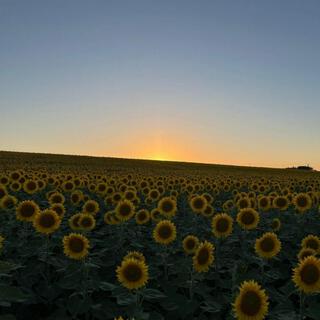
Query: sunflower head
point(190, 244)
point(155, 215)
point(167, 206)
point(203, 257)
point(142, 216)
point(306, 275)
point(56, 197)
point(306, 252)
point(198, 203)
point(135, 255)
point(125, 210)
point(264, 203)
point(30, 186)
point(222, 225)
point(59, 209)
point(46, 221)
point(27, 210)
point(268, 246)
point(248, 218)
point(311, 241)
point(132, 273)
point(251, 303)
point(281, 203)
point(8, 202)
point(164, 232)
point(75, 246)
point(91, 207)
point(87, 222)
point(276, 224)
point(302, 202)
point(74, 221)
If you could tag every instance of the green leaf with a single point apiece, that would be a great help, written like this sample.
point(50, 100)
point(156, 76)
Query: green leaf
point(150, 294)
point(12, 294)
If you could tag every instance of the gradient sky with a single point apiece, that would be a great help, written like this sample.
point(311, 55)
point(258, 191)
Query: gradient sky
point(234, 82)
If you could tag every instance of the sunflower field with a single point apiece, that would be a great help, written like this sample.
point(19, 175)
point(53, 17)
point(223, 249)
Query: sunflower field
point(101, 238)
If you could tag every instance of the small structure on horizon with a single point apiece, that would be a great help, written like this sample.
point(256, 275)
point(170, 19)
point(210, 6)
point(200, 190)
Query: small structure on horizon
point(303, 168)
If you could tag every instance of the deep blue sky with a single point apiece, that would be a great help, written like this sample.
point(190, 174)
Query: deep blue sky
point(211, 81)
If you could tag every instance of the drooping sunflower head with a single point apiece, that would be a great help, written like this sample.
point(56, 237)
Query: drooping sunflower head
point(164, 232)
point(46, 221)
point(306, 252)
point(155, 215)
point(75, 246)
point(1, 241)
point(87, 222)
point(74, 221)
point(91, 207)
point(203, 257)
point(302, 202)
point(311, 241)
point(125, 210)
point(248, 218)
point(222, 225)
point(198, 203)
point(135, 255)
point(142, 216)
point(276, 224)
point(251, 303)
point(306, 275)
point(268, 245)
point(190, 244)
point(167, 206)
point(132, 273)
point(27, 210)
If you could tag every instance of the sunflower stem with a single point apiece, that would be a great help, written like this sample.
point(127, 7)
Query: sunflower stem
point(301, 316)
point(191, 285)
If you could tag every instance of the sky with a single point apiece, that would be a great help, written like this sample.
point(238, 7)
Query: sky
point(230, 82)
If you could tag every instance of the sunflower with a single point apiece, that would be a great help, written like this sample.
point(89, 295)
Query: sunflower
point(190, 244)
point(132, 273)
point(281, 203)
point(87, 222)
point(27, 210)
point(276, 224)
point(91, 207)
point(302, 202)
point(30, 186)
point(222, 225)
point(203, 257)
point(108, 217)
point(208, 211)
point(198, 204)
point(75, 246)
point(264, 203)
point(154, 194)
point(59, 209)
point(135, 255)
point(46, 221)
point(312, 242)
point(76, 197)
point(74, 221)
point(1, 241)
point(125, 210)
point(68, 186)
point(164, 232)
point(155, 215)
point(306, 252)
point(251, 302)
point(167, 206)
point(15, 186)
point(8, 202)
point(248, 218)
point(268, 245)
point(306, 275)
point(56, 197)
point(142, 216)
point(3, 191)
point(244, 203)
